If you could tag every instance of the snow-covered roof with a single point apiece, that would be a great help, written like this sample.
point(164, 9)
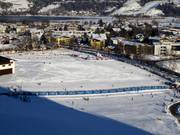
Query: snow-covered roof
point(118, 38)
point(99, 37)
point(7, 46)
point(116, 29)
point(62, 34)
point(155, 38)
point(125, 42)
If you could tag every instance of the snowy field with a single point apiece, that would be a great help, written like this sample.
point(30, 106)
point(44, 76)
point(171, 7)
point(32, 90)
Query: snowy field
point(130, 114)
point(18, 5)
point(145, 112)
point(127, 115)
point(59, 70)
point(49, 8)
point(132, 7)
point(172, 65)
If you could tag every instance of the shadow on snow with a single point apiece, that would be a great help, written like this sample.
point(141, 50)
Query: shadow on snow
point(42, 116)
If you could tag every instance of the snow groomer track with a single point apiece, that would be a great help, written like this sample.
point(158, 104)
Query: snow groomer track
point(91, 92)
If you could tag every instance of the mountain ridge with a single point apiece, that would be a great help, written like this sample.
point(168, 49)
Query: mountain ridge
point(91, 7)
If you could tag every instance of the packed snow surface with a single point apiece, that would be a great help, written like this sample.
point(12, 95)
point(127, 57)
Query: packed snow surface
point(132, 7)
point(18, 5)
point(49, 8)
point(68, 70)
point(137, 114)
point(172, 65)
point(154, 12)
point(127, 115)
point(128, 8)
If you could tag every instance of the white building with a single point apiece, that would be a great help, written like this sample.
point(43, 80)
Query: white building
point(7, 66)
point(162, 49)
point(167, 48)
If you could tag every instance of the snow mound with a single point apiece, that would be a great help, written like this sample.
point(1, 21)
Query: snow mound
point(149, 6)
point(128, 8)
point(132, 7)
point(18, 5)
point(49, 8)
point(154, 12)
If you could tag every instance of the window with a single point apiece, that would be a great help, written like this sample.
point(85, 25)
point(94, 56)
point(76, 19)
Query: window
point(176, 48)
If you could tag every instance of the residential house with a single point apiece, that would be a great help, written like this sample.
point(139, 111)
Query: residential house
point(61, 39)
point(135, 49)
point(167, 48)
point(7, 66)
point(98, 41)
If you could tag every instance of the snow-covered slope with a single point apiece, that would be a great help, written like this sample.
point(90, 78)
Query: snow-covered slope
point(57, 70)
point(132, 7)
point(128, 8)
point(113, 7)
point(18, 5)
point(154, 12)
point(49, 8)
point(172, 65)
point(144, 115)
point(149, 8)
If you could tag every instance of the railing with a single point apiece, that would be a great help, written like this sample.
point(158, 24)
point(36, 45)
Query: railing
point(89, 92)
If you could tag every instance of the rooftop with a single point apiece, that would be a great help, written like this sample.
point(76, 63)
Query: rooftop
point(4, 60)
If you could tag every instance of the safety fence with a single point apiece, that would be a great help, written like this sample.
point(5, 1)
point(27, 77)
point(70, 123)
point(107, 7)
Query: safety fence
point(89, 92)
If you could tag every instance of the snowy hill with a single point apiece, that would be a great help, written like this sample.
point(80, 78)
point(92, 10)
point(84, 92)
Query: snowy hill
point(128, 8)
point(93, 7)
point(18, 5)
point(132, 7)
